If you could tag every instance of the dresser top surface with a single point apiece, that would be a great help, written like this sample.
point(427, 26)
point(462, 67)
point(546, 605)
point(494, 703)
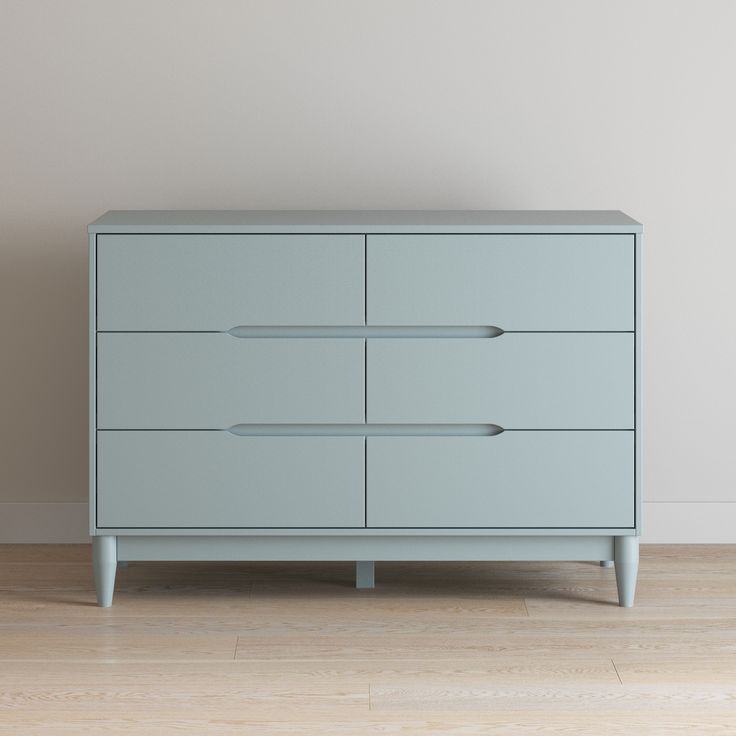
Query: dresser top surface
point(365, 221)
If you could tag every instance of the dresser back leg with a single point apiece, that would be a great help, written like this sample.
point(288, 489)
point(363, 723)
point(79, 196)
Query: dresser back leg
point(606, 563)
point(626, 555)
point(364, 575)
point(104, 563)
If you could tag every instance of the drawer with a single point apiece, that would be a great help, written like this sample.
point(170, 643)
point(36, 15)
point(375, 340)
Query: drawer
point(514, 480)
point(515, 282)
point(216, 282)
point(518, 381)
point(216, 479)
point(213, 381)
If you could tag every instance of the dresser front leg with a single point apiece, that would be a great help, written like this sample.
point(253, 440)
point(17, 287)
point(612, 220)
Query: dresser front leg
point(364, 575)
point(104, 563)
point(626, 555)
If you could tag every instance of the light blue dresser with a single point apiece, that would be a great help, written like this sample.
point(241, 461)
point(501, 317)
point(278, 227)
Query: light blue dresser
point(365, 386)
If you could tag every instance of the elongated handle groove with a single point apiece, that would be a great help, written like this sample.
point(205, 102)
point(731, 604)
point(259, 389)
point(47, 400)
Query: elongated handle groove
point(367, 331)
point(365, 430)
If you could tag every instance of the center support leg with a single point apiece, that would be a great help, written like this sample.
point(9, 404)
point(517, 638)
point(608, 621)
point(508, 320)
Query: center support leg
point(365, 575)
point(104, 564)
point(626, 556)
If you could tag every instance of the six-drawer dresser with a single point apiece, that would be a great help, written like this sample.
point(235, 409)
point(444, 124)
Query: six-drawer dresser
point(365, 386)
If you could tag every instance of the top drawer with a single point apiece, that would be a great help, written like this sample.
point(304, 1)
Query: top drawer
point(216, 282)
point(515, 282)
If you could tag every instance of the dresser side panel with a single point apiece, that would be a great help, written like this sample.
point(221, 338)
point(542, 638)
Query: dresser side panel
point(639, 384)
point(92, 377)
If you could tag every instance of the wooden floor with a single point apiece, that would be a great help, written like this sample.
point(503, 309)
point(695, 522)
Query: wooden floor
point(440, 648)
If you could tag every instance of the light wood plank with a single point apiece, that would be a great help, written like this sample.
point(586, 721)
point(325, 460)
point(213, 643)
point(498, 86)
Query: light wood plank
point(287, 648)
point(138, 640)
point(577, 698)
point(521, 723)
point(244, 672)
point(716, 671)
point(268, 700)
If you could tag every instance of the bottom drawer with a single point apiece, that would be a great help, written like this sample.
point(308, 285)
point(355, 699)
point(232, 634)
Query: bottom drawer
point(513, 479)
point(160, 479)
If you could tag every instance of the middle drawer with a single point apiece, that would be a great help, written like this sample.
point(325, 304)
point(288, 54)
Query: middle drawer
point(213, 381)
point(517, 380)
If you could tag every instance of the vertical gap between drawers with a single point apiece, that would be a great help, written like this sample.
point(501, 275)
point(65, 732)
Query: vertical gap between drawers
point(365, 381)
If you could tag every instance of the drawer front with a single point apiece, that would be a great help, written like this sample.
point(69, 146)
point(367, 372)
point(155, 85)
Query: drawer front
point(215, 479)
point(518, 381)
point(515, 282)
point(216, 282)
point(213, 381)
point(514, 480)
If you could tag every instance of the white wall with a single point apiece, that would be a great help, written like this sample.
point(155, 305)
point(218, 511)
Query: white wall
point(374, 104)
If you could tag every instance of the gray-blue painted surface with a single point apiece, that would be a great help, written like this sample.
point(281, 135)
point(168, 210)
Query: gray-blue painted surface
point(104, 565)
point(515, 282)
point(436, 546)
point(517, 381)
point(213, 381)
point(365, 574)
point(626, 553)
point(216, 479)
point(515, 479)
point(363, 221)
point(436, 280)
point(217, 282)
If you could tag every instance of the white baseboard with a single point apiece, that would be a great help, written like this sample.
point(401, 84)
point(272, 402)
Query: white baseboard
point(44, 523)
point(664, 523)
point(689, 523)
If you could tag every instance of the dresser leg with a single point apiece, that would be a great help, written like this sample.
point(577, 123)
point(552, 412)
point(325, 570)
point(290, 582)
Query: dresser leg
point(606, 563)
point(364, 575)
point(104, 563)
point(626, 554)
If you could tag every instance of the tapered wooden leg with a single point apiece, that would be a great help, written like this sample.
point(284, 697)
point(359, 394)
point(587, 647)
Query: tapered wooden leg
point(626, 555)
point(364, 575)
point(606, 563)
point(104, 563)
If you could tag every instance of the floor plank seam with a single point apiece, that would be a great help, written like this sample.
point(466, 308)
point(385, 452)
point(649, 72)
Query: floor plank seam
point(616, 671)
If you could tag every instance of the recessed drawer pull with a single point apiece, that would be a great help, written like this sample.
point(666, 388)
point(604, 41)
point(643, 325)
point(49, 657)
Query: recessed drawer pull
point(375, 331)
point(365, 430)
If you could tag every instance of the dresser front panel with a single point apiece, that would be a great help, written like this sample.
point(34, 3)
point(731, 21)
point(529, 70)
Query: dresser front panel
point(514, 479)
point(217, 282)
point(514, 282)
point(517, 381)
point(158, 479)
point(214, 381)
